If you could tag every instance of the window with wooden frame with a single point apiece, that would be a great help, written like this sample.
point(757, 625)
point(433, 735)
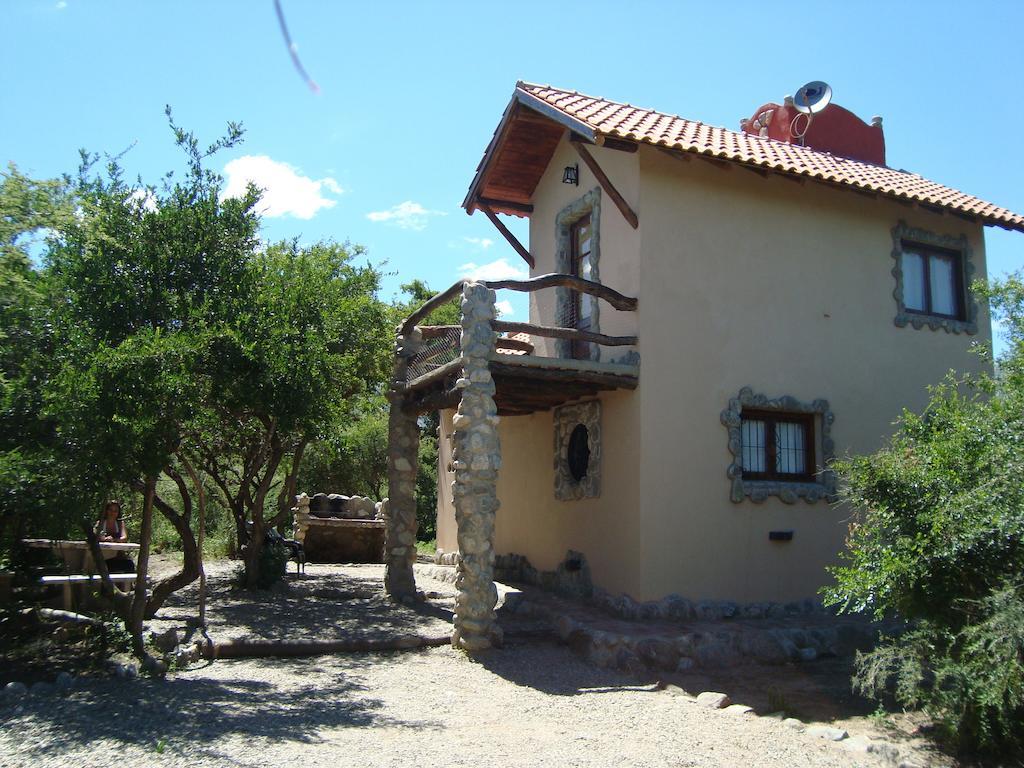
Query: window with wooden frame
point(777, 445)
point(933, 281)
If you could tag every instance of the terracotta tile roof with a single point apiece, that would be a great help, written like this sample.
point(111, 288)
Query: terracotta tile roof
point(523, 337)
point(623, 121)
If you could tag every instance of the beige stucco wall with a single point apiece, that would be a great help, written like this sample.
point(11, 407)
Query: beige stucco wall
point(743, 281)
point(447, 540)
point(532, 522)
point(786, 288)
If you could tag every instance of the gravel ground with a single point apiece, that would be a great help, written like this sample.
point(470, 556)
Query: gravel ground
point(532, 703)
point(523, 706)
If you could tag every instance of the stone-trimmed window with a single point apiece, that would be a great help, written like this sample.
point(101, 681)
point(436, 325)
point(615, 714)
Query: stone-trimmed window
point(933, 280)
point(780, 447)
point(586, 209)
point(578, 451)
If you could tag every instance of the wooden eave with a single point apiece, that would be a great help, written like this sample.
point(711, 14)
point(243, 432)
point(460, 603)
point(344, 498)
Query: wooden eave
point(523, 383)
point(519, 153)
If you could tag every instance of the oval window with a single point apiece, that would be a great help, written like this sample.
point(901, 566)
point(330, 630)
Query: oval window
point(578, 453)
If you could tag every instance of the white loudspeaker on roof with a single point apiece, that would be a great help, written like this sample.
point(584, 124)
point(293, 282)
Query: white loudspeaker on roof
point(813, 97)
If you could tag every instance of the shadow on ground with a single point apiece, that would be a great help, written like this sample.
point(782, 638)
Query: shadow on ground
point(195, 711)
point(323, 604)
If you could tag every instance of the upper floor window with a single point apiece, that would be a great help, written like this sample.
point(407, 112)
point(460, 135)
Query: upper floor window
point(933, 280)
point(578, 252)
point(581, 265)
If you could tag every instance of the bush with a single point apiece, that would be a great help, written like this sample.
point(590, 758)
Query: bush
point(273, 566)
point(938, 540)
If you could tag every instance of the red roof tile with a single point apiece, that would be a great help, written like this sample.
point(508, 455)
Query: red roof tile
point(623, 121)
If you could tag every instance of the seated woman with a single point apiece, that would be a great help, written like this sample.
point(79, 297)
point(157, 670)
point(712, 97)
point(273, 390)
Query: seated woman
point(111, 527)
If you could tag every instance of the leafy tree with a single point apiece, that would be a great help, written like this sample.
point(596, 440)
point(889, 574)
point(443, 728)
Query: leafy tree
point(353, 459)
point(28, 210)
point(287, 369)
point(938, 540)
point(138, 278)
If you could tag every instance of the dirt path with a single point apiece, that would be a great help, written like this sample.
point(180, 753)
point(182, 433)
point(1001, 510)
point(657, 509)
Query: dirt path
point(532, 703)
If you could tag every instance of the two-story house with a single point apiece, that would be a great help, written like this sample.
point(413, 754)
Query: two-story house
point(793, 294)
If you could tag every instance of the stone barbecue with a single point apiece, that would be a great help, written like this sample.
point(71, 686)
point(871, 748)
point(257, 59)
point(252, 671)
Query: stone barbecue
point(340, 529)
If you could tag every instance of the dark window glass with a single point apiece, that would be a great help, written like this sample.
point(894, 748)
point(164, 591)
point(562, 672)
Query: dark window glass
point(777, 445)
point(932, 281)
point(579, 453)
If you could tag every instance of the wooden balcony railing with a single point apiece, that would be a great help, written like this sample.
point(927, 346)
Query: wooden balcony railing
point(441, 342)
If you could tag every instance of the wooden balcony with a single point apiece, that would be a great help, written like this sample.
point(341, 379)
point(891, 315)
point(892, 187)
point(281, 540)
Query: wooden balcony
point(525, 381)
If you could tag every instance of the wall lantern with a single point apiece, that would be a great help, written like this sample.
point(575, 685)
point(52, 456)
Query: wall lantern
point(571, 175)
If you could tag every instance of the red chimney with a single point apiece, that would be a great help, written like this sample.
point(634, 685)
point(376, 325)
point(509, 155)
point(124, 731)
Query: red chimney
point(834, 130)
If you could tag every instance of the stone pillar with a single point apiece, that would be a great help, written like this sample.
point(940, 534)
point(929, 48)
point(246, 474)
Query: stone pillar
point(477, 458)
point(301, 524)
point(403, 453)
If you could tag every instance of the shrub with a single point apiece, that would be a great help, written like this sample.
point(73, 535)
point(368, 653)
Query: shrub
point(938, 540)
point(272, 568)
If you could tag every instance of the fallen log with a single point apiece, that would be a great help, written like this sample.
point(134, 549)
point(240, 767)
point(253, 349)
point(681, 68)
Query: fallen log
point(52, 614)
point(258, 649)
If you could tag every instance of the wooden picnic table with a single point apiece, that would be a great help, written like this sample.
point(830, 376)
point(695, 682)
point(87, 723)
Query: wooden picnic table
point(79, 568)
point(76, 555)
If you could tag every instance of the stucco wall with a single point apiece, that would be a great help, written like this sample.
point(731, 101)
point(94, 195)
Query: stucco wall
point(786, 288)
point(533, 523)
point(447, 534)
point(743, 281)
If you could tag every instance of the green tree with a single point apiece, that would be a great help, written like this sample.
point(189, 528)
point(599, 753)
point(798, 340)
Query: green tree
point(288, 368)
point(28, 211)
point(138, 278)
point(938, 540)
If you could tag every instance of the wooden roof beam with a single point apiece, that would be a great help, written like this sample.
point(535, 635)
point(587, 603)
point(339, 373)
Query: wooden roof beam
point(609, 189)
point(512, 239)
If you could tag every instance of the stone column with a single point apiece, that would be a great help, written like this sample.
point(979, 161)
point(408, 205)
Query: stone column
point(403, 452)
point(477, 458)
point(301, 524)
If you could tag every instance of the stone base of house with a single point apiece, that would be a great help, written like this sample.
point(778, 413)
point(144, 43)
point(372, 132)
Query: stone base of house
point(646, 647)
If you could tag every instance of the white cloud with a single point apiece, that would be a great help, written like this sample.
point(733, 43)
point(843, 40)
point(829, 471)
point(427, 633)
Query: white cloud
point(499, 269)
point(61, 5)
point(144, 198)
point(504, 308)
point(407, 215)
point(286, 192)
point(479, 242)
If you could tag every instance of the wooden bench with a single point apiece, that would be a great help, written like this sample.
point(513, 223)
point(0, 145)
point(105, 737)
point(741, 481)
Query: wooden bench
point(67, 581)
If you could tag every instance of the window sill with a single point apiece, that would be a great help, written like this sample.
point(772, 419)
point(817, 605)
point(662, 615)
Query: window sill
point(788, 492)
point(919, 320)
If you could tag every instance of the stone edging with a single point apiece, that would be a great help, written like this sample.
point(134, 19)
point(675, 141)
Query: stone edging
point(960, 244)
point(760, 490)
point(715, 700)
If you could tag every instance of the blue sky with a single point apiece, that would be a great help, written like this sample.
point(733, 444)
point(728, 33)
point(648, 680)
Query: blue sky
point(411, 92)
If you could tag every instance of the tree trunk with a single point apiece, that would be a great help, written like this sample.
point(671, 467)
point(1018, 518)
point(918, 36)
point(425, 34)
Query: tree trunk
point(121, 603)
point(253, 551)
point(201, 497)
point(257, 506)
point(287, 497)
point(190, 568)
point(142, 570)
